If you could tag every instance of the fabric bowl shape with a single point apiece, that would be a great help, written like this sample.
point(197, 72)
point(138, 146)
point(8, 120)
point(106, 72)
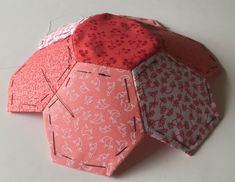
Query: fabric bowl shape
point(106, 82)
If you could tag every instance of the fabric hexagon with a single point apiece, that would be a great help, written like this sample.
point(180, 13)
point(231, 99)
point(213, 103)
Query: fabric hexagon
point(107, 81)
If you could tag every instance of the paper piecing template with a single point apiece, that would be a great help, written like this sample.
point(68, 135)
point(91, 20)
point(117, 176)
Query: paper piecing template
point(106, 82)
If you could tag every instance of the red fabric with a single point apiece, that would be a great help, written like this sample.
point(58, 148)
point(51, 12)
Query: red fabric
point(114, 41)
point(187, 51)
point(81, 100)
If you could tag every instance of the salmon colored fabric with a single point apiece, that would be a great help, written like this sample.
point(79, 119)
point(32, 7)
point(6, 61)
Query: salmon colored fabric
point(28, 91)
point(93, 122)
point(107, 82)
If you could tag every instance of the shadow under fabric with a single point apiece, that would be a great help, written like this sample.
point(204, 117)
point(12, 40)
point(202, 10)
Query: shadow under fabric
point(111, 82)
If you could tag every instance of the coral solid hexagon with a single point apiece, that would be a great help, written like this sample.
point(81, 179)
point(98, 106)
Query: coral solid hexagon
point(93, 122)
point(184, 49)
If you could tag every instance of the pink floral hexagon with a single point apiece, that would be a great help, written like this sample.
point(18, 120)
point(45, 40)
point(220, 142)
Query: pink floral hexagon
point(93, 122)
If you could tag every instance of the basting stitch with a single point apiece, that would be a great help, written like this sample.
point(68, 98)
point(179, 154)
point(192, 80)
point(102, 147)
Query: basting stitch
point(58, 97)
point(67, 157)
point(12, 83)
point(209, 95)
point(64, 72)
point(127, 91)
point(70, 56)
point(160, 132)
point(49, 118)
point(44, 97)
point(212, 119)
point(143, 90)
point(134, 122)
point(52, 103)
point(53, 139)
point(92, 165)
point(121, 151)
point(102, 74)
point(29, 105)
point(67, 82)
point(83, 71)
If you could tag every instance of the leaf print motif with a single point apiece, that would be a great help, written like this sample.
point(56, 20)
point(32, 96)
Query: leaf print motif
point(105, 128)
point(133, 137)
point(120, 95)
point(83, 88)
point(92, 149)
point(78, 144)
point(66, 133)
point(103, 157)
point(114, 115)
point(96, 83)
point(101, 104)
point(86, 115)
point(104, 70)
point(88, 100)
point(122, 129)
point(97, 119)
point(70, 163)
point(87, 132)
point(76, 124)
point(110, 88)
point(78, 110)
point(66, 149)
point(121, 144)
point(128, 107)
point(107, 142)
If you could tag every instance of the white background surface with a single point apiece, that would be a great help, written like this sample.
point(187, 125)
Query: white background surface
point(24, 154)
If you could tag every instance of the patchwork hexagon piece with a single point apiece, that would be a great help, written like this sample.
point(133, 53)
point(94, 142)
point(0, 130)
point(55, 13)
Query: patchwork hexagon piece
point(107, 81)
point(93, 121)
point(175, 101)
point(27, 91)
point(184, 49)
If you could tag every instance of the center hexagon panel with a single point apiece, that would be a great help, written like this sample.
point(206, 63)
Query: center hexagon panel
point(93, 122)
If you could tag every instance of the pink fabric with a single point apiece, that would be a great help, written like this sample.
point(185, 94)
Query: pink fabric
point(60, 33)
point(98, 82)
point(93, 122)
point(28, 90)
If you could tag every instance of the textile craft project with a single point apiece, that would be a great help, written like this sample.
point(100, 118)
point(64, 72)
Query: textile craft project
point(106, 82)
